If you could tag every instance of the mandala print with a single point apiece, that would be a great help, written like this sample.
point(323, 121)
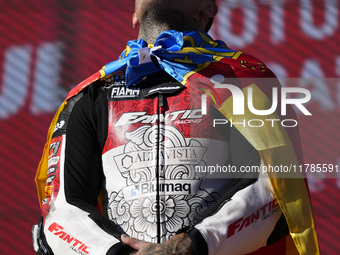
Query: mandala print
point(141, 216)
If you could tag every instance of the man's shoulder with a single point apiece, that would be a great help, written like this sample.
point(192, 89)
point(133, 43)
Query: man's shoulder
point(81, 86)
point(98, 80)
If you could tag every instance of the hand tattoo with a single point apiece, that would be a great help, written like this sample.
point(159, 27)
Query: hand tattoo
point(177, 245)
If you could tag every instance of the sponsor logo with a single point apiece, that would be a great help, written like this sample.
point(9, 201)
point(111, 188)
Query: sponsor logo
point(50, 179)
point(54, 147)
point(51, 170)
point(180, 117)
point(123, 92)
point(48, 190)
point(59, 125)
point(164, 88)
point(264, 213)
point(76, 245)
point(53, 161)
point(170, 156)
point(168, 187)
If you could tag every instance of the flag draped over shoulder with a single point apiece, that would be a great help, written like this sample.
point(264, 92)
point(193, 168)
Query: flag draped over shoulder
point(181, 55)
point(277, 147)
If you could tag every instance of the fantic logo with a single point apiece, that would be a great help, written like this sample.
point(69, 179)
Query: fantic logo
point(181, 117)
point(76, 245)
point(238, 100)
point(263, 213)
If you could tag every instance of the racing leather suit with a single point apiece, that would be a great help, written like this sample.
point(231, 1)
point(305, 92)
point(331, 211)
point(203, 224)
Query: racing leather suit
point(158, 166)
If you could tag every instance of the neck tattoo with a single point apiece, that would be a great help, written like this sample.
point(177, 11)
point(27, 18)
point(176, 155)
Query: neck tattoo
point(159, 19)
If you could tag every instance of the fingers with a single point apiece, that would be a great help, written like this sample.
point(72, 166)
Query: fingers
point(133, 242)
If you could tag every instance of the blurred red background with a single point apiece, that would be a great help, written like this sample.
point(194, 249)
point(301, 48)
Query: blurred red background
point(47, 47)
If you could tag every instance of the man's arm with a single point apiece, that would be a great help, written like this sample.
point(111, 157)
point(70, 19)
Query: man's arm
point(72, 222)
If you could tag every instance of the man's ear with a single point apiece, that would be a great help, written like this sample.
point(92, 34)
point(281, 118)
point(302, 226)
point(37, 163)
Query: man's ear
point(211, 9)
point(135, 21)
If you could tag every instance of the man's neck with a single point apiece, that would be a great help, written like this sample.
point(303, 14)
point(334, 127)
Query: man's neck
point(159, 19)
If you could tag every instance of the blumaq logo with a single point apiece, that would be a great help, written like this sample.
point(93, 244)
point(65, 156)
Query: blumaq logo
point(239, 105)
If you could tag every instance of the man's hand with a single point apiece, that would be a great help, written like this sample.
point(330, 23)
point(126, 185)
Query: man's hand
point(179, 244)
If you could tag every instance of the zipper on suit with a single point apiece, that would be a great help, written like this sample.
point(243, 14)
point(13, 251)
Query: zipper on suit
point(158, 167)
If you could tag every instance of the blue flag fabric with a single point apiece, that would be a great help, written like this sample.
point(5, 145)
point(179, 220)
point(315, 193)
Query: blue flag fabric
point(178, 53)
